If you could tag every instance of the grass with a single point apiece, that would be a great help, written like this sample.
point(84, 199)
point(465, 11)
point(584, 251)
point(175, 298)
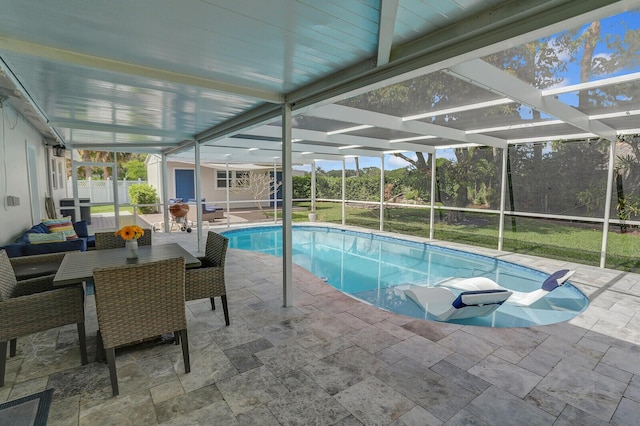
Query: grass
point(109, 209)
point(563, 240)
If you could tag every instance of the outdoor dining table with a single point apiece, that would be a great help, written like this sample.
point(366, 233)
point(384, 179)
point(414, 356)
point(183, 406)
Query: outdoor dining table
point(78, 267)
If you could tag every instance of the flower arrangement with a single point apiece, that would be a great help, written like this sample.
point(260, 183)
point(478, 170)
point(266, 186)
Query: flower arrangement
point(129, 232)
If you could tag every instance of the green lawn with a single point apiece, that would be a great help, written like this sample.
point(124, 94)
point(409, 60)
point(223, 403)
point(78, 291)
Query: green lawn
point(573, 242)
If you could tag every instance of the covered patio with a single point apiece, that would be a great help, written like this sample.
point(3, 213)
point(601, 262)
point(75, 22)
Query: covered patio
point(296, 83)
point(330, 359)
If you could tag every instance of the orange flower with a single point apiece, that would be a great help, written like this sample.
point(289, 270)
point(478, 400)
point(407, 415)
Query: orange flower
point(129, 232)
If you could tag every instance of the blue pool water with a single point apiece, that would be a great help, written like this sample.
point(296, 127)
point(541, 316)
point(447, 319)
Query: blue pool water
point(376, 268)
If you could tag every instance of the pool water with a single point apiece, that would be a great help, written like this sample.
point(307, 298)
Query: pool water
point(376, 269)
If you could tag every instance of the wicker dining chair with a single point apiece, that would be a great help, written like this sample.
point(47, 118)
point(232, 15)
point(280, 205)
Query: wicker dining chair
point(108, 240)
point(34, 305)
point(208, 280)
point(37, 265)
point(138, 301)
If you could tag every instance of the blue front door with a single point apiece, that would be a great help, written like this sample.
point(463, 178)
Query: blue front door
point(185, 185)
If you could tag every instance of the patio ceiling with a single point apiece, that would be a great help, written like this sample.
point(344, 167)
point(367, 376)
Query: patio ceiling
point(153, 76)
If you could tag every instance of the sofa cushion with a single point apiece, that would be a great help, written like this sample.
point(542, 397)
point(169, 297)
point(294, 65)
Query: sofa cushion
point(69, 245)
point(63, 225)
point(15, 249)
point(46, 238)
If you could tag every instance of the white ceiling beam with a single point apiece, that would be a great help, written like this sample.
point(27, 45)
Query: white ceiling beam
point(298, 147)
point(95, 62)
point(592, 84)
point(242, 154)
point(339, 139)
point(386, 121)
point(482, 74)
point(116, 128)
point(388, 12)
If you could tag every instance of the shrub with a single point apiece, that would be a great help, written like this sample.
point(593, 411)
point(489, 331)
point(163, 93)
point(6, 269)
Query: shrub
point(142, 193)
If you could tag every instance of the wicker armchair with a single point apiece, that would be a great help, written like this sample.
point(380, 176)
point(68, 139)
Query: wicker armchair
point(34, 305)
point(208, 280)
point(135, 302)
point(38, 265)
point(107, 240)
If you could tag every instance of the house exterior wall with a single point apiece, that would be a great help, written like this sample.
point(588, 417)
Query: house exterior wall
point(15, 135)
point(213, 194)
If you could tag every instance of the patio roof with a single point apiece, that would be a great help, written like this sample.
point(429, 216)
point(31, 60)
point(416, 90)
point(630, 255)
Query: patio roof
point(160, 76)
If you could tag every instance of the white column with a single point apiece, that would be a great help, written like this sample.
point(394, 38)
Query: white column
point(382, 193)
point(74, 188)
point(227, 194)
point(198, 172)
point(275, 193)
point(313, 186)
point(503, 195)
point(432, 213)
point(287, 196)
point(114, 186)
point(607, 203)
point(165, 194)
point(344, 192)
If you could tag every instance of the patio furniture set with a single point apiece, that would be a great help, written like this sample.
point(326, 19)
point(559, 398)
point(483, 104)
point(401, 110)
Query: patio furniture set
point(135, 298)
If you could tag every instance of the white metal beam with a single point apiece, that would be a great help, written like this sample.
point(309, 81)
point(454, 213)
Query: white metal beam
point(388, 12)
point(117, 128)
point(339, 139)
point(386, 121)
point(487, 76)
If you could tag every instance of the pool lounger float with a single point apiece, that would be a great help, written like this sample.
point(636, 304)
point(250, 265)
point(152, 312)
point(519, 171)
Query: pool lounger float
point(518, 298)
point(443, 304)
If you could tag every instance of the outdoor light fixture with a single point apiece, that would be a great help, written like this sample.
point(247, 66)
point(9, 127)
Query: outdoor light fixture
point(469, 107)
point(348, 129)
point(350, 146)
point(254, 149)
point(306, 153)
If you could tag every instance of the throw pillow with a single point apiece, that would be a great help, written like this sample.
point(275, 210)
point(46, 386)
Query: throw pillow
point(63, 225)
point(46, 238)
point(81, 228)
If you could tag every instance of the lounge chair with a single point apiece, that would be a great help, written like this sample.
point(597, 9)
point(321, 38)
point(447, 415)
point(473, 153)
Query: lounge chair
point(444, 304)
point(519, 298)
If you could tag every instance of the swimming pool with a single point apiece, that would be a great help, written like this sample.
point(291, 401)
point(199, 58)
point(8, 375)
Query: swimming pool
point(376, 269)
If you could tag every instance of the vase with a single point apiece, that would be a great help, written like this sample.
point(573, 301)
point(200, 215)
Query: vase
point(132, 248)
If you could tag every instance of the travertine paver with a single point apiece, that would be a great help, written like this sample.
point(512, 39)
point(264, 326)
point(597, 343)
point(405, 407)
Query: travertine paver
point(330, 359)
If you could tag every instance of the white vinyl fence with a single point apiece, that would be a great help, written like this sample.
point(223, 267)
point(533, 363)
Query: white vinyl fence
point(101, 191)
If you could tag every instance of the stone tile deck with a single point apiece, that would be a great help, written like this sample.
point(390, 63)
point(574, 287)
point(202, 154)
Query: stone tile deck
point(330, 359)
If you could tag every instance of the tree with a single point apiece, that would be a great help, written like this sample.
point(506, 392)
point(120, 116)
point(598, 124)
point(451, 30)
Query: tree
point(135, 169)
point(260, 185)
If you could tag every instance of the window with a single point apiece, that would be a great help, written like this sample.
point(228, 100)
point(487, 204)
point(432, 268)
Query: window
point(234, 176)
point(54, 175)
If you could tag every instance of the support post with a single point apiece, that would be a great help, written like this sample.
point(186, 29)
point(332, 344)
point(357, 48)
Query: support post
point(165, 194)
point(313, 186)
point(198, 172)
point(432, 213)
point(275, 193)
point(287, 196)
point(607, 203)
point(344, 192)
point(382, 193)
point(227, 194)
point(503, 195)
point(114, 186)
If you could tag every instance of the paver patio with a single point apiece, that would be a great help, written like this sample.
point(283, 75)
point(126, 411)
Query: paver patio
point(330, 359)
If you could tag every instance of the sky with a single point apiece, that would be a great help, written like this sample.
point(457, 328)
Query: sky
point(617, 25)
